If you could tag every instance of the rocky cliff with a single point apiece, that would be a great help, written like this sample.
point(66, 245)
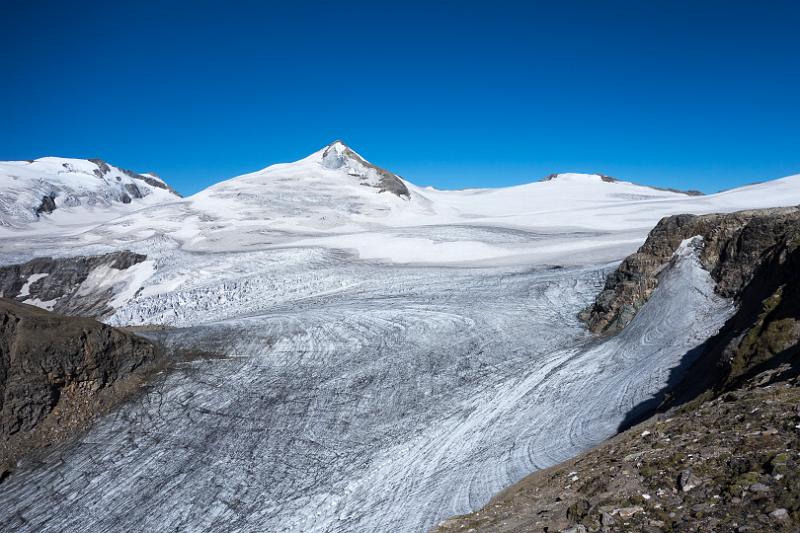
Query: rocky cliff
point(735, 245)
point(723, 453)
point(57, 372)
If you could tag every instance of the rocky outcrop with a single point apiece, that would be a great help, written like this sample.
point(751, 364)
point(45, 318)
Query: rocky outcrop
point(763, 335)
point(57, 372)
point(735, 244)
point(104, 168)
point(47, 206)
point(57, 282)
point(338, 155)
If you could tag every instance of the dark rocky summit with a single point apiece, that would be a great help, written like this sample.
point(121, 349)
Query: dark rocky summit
point(723, 454)
point(59, 280)
point(58, 372)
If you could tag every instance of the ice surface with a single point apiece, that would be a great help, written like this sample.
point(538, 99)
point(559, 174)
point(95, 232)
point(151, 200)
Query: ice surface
point(391, 361)
point(360, 398)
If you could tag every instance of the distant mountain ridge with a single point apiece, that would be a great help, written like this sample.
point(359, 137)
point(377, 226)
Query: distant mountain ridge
point(30, 190)
point(609, 179)
point(335, 198)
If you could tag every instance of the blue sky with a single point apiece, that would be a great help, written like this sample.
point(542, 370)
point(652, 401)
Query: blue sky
point(688, 94)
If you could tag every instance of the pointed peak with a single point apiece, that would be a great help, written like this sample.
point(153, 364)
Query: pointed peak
point(338, 144)
point(338, 155)
point(339, 149)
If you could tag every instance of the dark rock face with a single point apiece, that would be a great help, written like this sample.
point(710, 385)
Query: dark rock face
point(48, 361)
point(735, 245)
point(763, 337)
point(60, 278)
point(103, 169)
point(607, 179)
point(133, 190)
point(48, 205)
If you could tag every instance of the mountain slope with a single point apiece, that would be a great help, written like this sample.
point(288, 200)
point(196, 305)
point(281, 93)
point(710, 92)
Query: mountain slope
point(74, 191)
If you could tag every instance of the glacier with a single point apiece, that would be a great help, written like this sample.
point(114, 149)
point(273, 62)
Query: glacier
point(387, 361)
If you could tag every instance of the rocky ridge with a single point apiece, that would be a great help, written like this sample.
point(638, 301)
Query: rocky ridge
point(735, 244)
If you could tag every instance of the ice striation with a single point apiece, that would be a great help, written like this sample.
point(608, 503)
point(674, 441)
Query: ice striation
point(391, 360)
point(364, 398)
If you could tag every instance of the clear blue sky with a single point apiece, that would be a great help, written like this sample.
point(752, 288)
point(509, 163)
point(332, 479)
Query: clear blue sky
point(690, 94)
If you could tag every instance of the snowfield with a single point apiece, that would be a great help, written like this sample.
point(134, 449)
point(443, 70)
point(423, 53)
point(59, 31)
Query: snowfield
point(392, 359)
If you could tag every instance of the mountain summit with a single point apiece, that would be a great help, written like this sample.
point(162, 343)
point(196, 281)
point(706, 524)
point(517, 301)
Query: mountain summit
point(338, 155)
point(72, 189)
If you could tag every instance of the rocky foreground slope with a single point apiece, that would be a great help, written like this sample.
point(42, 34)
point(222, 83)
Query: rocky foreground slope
point(58, 372)
point(724, 454)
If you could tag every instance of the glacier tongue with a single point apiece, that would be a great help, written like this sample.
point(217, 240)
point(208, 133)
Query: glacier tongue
point(385, 400)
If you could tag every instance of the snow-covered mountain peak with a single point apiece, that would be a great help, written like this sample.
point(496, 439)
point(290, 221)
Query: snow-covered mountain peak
point(339, 156)
point(68, 189)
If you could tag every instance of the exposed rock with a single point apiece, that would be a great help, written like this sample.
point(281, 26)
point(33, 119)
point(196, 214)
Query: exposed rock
point(58, 280)
point(687, 480)
point(48, 204)
point(103, 168)
point(779, 514)
point(56, 372)
point(735, 244)
point(627, 512)
point(338, 155)
point(133, 190)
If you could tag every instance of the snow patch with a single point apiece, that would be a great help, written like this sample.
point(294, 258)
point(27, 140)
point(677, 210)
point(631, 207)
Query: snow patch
point(124, 283)
point(26, 288)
